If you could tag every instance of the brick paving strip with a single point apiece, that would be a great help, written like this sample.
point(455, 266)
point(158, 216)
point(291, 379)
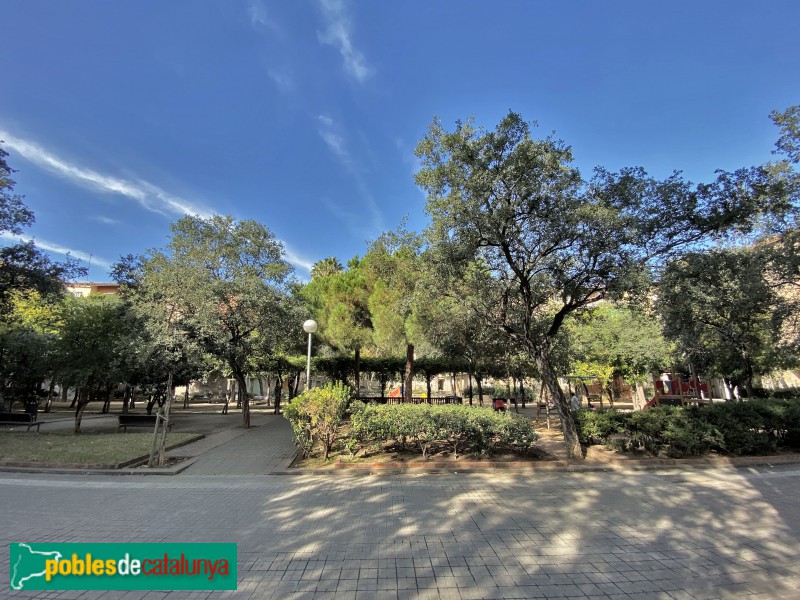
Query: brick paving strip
point(671, 534)
point(591, 536)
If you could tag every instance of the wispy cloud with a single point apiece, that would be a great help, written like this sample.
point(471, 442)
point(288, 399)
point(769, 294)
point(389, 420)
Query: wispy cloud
point(282, 79)
point(95, 261)
point(338, 33)
point(104, 220)
point(334, 137)
point(259, 16)
point(147, 195)
point(335, 141)
point(294, 258)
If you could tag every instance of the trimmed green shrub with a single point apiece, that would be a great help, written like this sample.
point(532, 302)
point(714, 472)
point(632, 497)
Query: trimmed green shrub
point(459, 428)
point(747, 427)
point(317, 415)
point(597, 426)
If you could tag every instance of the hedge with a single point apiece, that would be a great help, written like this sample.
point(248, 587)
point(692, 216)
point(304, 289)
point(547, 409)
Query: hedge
point(318, 418)
point(459, 428)
point(745, 427)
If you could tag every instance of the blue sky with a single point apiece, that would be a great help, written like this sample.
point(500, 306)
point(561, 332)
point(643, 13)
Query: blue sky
point(122, 116)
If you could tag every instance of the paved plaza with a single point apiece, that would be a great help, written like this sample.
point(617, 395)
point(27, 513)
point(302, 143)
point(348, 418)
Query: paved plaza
point(671, 534)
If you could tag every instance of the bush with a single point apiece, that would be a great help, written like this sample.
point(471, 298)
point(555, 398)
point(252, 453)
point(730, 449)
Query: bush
point(457, 427)
point(317, 415)
point(597, 426)
point(748, 427)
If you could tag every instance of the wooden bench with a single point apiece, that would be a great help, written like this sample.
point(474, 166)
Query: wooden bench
point(19, 419)
point(126, 421)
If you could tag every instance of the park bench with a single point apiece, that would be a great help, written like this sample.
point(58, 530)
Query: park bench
point(499, 404)
point(19, 419)
point(126, 421)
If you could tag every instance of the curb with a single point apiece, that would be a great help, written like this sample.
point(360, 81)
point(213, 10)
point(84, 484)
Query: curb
point(550, 466)
point(127, 467)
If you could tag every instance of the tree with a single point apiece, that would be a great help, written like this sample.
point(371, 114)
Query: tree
point(339, 300)
point(724, 314)
point(788, 143)
point(325, 267)
point(225, 284)
point(90, 348)
point(393, 262)
point(28, 334)
point(611, 339)
point(22, 265)
point(556, 243)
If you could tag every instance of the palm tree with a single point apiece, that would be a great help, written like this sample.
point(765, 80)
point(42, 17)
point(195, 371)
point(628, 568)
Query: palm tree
point(325, 267)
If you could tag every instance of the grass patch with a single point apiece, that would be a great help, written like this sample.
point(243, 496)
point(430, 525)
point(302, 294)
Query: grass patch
point(84, 449)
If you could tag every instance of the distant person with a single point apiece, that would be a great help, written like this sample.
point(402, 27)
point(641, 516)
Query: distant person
point(575, 402)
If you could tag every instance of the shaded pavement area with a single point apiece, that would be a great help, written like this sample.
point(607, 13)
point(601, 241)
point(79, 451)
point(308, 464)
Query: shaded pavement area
point(670, 534)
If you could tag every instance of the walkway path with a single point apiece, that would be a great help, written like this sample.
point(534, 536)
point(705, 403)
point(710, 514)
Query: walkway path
point(266, 447)
point(727, 534)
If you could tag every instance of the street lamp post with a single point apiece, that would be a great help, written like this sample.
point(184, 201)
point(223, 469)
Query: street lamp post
point(309, 327)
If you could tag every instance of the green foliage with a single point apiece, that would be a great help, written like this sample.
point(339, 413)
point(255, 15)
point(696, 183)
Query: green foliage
point(750, 427)
point(598, 426)
point(506, 204)
point(788, 143)
point(339, 300)
point(457, 427)
point(23, 267)
point(613, 339)
point(220, 284)
point(317, 415)
point(724, 313)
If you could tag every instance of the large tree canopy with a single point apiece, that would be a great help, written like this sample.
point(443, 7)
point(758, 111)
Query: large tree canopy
point(223, 283)
point(556, 243)
point(23, 266)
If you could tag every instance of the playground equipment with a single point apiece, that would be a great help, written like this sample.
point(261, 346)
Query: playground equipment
point(678, 392)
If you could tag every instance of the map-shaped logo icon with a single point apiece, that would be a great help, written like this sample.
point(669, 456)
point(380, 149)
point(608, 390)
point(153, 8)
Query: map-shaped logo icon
point(27, 563)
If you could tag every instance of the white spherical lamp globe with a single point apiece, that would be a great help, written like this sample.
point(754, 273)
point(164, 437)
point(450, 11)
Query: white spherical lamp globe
point(310, 326)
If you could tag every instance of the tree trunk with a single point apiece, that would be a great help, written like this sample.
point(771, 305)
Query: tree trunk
point(162, 445)
point(84, 400)
point(358, 372)
point(186, 397)
point(278, 386)
point(49, 402)
point(408, 391)
point(243, 400)
point(639, 399)
point(522, 390)
point(107, 401)
point(479, 381)
point(550, 379)
point(74, 399)
point(428, 385)
point(470, 388)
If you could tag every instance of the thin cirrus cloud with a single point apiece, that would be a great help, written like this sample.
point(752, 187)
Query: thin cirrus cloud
point(147, 195)
point(104, 220)
point(282, 79)
point(259, 16)
point(338, 33)
point(59, 249)
point(335, 140)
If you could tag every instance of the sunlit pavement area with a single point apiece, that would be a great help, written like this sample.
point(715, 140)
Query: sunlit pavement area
point(659, 534)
